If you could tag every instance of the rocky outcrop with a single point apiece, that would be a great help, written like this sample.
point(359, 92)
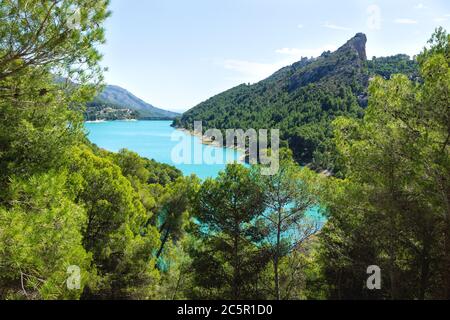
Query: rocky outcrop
point(358, 43)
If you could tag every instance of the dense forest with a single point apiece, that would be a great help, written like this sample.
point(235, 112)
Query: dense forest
point(303, 99)
point(138, 229)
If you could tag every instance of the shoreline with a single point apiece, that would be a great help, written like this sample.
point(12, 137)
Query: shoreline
point(203, 139)
point(130, 120)
point(209, 142)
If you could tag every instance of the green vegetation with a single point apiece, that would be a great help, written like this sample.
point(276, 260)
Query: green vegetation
point(116, 103)
point(228, 255)
point(96, 111)
point(398, 64)
point(302, 100)
point(64, 202)
point(138, 229)
point(392, 209)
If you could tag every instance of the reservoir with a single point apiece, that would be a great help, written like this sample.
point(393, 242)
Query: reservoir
point(157, 140)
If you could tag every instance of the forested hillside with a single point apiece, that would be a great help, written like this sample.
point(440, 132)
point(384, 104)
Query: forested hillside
point(115, 103)
point(398, 64)
point(302, 100)
point(100, 111)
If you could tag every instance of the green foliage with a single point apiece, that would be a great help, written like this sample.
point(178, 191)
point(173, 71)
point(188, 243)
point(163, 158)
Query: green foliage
point(36, 131)
point(37, 120)
point(301, 100)
point(176, 282)
point(57, 35)
point(145, 170)
point(398, 64)
point(123, 105)
point(64, 202)
point(175, 209)
point(138, 229)
point(116, 234)
point(97, 111)
point(288, 199)
point(227, 261)
point(41, 236)
point(392, 208)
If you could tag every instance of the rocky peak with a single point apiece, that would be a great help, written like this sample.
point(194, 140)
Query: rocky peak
point(358, 43)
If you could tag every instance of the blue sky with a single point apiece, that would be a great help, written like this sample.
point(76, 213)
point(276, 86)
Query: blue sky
point(175, 54)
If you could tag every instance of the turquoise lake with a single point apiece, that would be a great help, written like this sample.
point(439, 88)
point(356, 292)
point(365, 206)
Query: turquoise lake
point(155, 140)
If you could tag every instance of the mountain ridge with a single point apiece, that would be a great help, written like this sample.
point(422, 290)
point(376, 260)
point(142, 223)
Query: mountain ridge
point(117, 102)
point(301, 100)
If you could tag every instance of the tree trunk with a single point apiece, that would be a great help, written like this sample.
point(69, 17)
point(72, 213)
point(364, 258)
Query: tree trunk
point(237, 269)
point(445, 191)
point(276, 263)
point(424, 272)
point(174, 295)
point(276, 276)
point(447, 260)
point(163, 243)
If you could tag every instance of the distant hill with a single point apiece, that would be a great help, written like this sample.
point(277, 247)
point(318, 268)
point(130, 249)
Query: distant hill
point(302, 100)
point(115, 102)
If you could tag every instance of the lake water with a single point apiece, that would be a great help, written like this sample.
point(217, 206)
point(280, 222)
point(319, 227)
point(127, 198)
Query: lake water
point(157, 140)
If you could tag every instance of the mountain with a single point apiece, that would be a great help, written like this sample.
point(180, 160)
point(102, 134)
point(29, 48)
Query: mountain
point(116, 102)
point(301, 100)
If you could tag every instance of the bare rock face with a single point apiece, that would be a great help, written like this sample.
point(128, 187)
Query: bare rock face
point(344, 66)
point(358, 43)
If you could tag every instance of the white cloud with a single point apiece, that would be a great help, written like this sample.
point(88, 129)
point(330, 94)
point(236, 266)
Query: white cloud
point(250, 71)
point(405, 21)
point(420, 6)
point(334, 26)
point(300, 26)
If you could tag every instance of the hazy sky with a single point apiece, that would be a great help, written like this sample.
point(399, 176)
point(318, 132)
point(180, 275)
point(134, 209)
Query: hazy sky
point(175, 54)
